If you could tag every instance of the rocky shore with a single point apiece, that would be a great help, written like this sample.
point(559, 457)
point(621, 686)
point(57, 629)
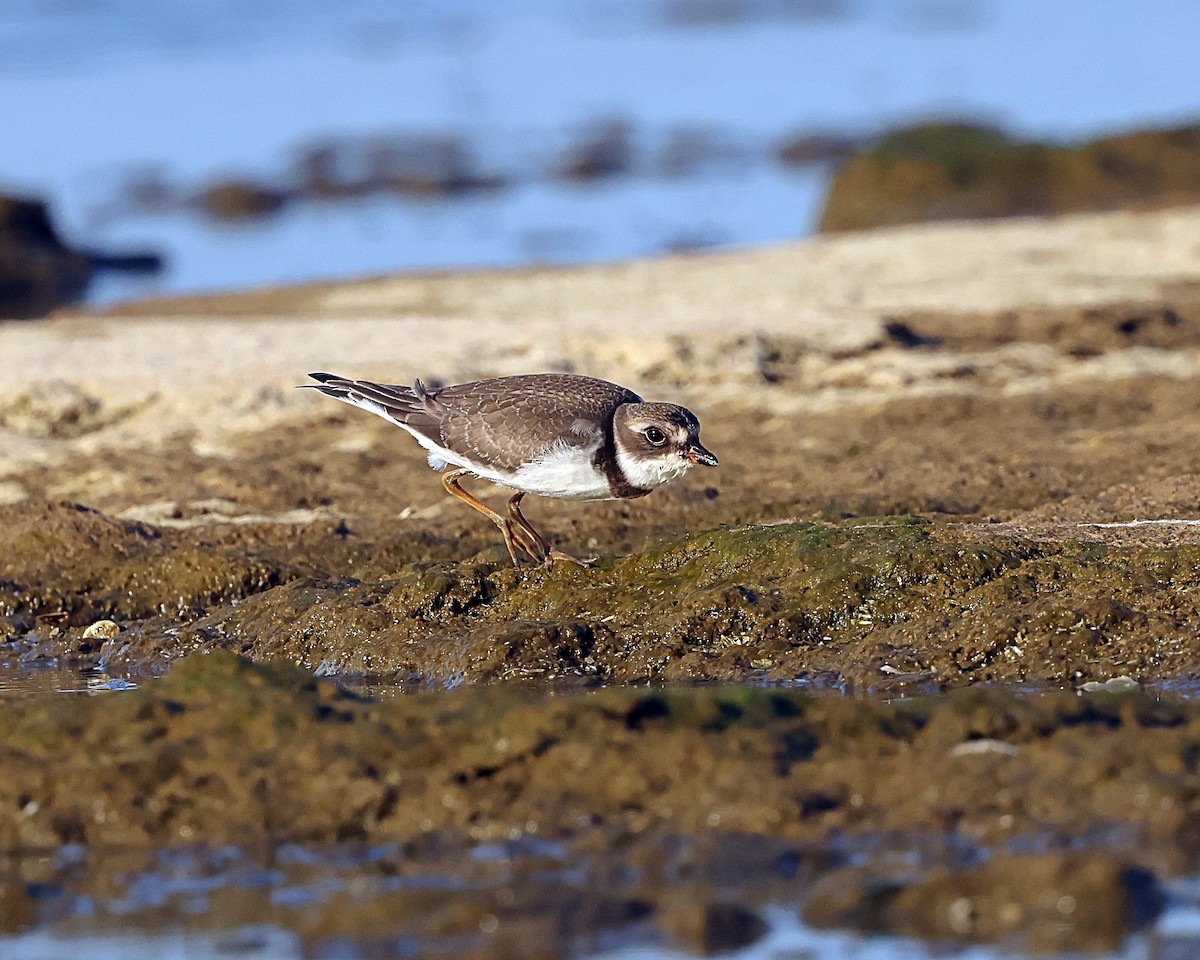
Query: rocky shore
point(939, 468)
point(953, 456)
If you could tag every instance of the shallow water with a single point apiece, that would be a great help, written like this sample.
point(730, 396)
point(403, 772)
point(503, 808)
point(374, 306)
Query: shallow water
point(228, 903)
point(191, 91)
point(17, 681)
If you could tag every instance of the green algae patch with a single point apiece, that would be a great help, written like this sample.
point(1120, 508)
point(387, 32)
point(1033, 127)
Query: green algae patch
point(948, 171)
point(705, 606)
point(867, 603)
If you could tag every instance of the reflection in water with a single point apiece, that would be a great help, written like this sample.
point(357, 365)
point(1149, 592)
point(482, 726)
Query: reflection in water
point(374, 902)
point(18, 681)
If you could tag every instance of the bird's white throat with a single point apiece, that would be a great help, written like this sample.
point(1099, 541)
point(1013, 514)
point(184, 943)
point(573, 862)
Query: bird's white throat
point(650, 472)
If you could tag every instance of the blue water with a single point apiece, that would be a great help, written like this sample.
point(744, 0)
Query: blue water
point(195, 89)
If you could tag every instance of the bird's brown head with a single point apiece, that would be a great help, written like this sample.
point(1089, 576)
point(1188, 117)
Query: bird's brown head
point(657, 442)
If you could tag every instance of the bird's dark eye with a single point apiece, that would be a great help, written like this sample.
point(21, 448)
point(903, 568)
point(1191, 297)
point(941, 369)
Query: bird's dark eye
point(655, 437)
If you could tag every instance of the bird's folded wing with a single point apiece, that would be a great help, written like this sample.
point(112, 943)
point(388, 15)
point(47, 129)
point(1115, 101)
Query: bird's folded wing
point(509, 421)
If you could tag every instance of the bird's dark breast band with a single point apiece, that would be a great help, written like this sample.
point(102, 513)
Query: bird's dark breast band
point(605, 459)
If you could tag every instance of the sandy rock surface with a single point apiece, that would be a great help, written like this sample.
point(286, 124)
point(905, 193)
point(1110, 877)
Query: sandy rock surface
point(710, 328)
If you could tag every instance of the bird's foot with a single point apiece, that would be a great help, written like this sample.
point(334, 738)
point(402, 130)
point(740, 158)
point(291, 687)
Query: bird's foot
point(554, 554)
point(523, 545)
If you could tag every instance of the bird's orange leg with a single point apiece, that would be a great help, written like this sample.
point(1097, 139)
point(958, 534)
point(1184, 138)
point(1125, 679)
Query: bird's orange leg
point(451, 481)
point(549, 553)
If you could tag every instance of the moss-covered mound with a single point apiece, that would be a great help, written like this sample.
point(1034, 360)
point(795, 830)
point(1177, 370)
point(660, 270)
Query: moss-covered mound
point(957, 171)
point(865, 603)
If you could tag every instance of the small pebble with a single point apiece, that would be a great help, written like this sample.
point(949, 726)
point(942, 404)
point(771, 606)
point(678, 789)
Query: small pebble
point(971, 748)
point(102, 630)
point(1119, 684)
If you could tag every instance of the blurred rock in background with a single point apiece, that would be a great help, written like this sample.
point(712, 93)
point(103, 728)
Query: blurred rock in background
point(39, 272)
point(952, 171)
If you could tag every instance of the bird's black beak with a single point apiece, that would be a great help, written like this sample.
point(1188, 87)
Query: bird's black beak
point(697, 454)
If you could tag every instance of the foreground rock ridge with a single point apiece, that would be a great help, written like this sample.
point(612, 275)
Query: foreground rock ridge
point(223, 751)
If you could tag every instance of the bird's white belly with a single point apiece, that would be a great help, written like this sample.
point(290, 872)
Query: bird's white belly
point(566, 472)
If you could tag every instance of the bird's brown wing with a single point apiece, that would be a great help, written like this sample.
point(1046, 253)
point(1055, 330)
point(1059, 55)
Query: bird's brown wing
point(508, 421)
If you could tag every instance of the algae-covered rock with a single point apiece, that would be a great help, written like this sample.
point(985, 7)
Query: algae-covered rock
point(1047, 903)
point(222, 750)
point(958, 171)
point(546, 812)
point(862, 601)
point(65, 558)
point(866, 603)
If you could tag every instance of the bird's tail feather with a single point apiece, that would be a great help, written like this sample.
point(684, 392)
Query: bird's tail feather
point(395, 402)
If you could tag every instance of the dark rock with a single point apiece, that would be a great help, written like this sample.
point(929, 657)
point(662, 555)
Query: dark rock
point(427, 167)
point(903, 335)
point(603, 152)
point(418, 166)
point(241, 200)
point(707, 927)
point(38, 271)
point(947, 171)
